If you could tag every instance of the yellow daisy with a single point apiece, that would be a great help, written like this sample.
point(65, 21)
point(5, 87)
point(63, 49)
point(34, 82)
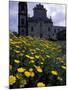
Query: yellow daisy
point(30, 57)
point(32, 61)
point(38, 68)
point(40, 84)
point(27, 74)
point(63, 67)
point(30, 69)
point(21, 70)
point(12, 79)
point(59, 78)
point(36, 56)
point(32, 74)
point(54, 72)
point(17, 61)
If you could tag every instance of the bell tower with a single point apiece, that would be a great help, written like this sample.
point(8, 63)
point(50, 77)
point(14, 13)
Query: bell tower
point(22, 19)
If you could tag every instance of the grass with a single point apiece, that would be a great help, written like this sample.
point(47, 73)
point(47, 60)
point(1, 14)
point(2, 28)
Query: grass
point(36, 62)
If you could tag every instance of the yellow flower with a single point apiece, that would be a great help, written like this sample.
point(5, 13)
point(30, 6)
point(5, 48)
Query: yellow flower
point(59, 78)
point(54, 72)
point(36, 56)
point(17, 47)
point(43, 59)
point(13, 43)
point(42, 63)
point(48, 56)
point(38, 68)
point(19, 76)
point(31, 69)
point(30, 57)
point(37, 49)
point(12, 79)
point(27, 56)
point(22, 83)
point(32, 74)
point(23, 51)
point(11, 40)
point(21, 69)
point(17, 51)
point(24, 42)
point(32, 61)
point(27, 74)
point(32, 50)
point(21, 54)
point(32, 53)
point(63, 67)
point(62, 61)
point(17, 61)
point(40, 84)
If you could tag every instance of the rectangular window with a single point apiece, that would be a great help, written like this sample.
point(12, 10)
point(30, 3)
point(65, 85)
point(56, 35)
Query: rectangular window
point(55, 30)
point(40, 25)
point(22, 31)
point(41, 35)
point(22, 7)
point(22, 21)
point(32, 29)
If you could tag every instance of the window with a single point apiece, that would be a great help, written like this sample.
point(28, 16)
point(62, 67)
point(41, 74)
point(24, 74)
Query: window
point(40, 24)
point(53, 34)
point(22, 31)
point(22, 7)
point(49, 36)
point(22, 21)
point(32, 29)
point(55, 30)
point(41, 35)
point(48, 28)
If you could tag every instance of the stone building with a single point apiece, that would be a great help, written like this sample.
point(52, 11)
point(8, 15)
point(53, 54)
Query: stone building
point(39, 25)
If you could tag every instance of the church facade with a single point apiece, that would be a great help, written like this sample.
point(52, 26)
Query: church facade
point(39, 25)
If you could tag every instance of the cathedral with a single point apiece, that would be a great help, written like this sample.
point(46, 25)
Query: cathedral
point(39, 25)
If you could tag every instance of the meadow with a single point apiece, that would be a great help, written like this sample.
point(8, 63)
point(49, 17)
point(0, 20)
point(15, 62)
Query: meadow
point(36, 62)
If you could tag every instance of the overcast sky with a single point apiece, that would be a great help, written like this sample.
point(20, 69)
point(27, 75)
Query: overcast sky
point(56, 11)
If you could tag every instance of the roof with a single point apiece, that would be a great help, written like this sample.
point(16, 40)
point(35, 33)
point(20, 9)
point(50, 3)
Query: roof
point(60, 27)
